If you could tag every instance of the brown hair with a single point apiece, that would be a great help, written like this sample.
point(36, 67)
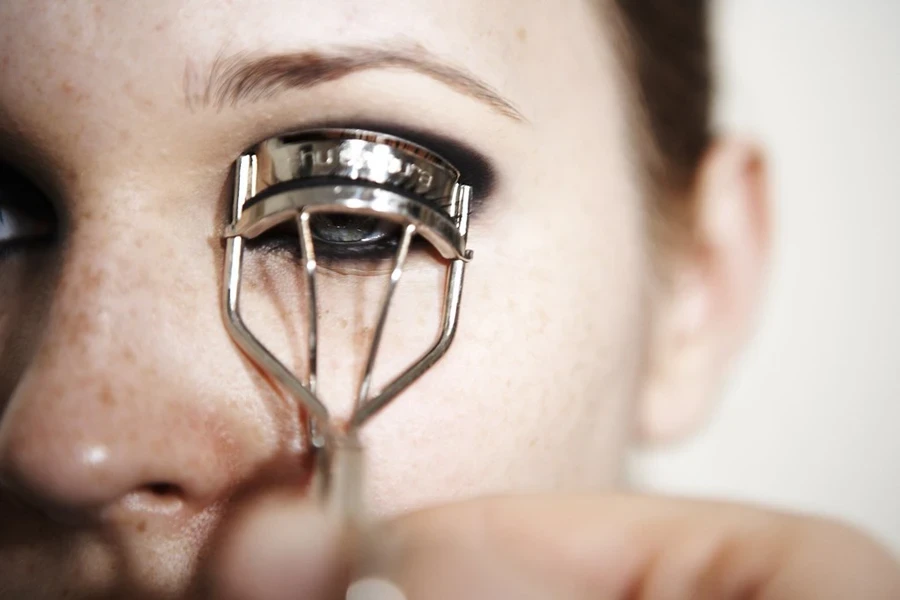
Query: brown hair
point(666, 44)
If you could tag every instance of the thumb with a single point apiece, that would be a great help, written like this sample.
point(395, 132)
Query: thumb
point(280, 547)
point(627, 546)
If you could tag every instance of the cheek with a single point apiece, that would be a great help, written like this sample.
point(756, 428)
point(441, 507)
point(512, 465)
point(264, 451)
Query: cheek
point(536, 390)
point(26, 284)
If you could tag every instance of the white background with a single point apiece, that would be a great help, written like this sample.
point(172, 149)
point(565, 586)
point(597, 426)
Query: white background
point(812, 418)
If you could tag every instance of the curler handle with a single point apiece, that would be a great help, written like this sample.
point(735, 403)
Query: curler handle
point(342, 470)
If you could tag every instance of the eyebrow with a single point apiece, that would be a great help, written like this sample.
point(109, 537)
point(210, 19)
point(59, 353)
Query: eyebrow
point(236, 79)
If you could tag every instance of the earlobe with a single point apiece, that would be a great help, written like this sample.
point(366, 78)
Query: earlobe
point(705, 305)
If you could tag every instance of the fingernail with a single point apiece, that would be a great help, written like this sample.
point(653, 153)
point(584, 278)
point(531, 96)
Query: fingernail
point(373, 588)
point(280, 551)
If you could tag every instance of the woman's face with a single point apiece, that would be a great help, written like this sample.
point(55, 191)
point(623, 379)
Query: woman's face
point(128, 415)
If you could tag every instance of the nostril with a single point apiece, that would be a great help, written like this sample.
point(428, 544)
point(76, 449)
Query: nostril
point(157, 497)
point(164, 489)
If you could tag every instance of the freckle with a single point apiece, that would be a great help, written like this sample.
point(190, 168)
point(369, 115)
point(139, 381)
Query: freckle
point(77, 326)
point(522, 34)
point(157, 446)
point(69, 174)
point(142, 526)
point(342, 323)
point(92, 279)
point(129, 355)
point(362, 337)
point(106, 397)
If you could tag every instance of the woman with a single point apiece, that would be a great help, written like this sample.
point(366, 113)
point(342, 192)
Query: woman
point(619, 251)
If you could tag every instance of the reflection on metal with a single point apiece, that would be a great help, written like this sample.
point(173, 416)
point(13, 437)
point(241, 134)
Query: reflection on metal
point(292, 179)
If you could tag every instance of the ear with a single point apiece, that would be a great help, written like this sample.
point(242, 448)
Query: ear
point(705, 304)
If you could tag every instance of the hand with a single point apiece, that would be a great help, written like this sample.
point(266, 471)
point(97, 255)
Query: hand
point(566, 547)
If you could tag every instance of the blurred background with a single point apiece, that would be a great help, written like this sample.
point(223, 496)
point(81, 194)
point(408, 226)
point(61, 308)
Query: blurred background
point(811, 419)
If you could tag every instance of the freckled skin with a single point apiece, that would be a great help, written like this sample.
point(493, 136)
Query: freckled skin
point(127, 378)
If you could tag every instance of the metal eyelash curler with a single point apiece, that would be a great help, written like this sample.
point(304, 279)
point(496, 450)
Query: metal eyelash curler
point(345, 172)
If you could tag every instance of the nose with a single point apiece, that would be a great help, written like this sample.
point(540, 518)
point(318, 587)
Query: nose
point(106, 457)
point(134, 404)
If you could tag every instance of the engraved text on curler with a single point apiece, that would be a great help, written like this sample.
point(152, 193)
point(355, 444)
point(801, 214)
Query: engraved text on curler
point(403, 174)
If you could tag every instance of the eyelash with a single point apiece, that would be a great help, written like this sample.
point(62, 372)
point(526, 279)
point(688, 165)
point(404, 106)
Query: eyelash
point(285, 240)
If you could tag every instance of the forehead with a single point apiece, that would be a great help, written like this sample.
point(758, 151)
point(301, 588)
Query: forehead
point(132, 35)
point(105, 46)
point(79, 79)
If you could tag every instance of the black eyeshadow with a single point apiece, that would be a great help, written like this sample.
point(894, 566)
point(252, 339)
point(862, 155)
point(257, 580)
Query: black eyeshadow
point(475, 169)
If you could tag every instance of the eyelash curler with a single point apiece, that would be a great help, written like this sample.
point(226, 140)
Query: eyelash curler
point(297, 177)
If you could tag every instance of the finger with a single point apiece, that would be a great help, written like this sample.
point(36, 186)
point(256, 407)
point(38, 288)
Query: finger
point(627, 547)
point(280, 548)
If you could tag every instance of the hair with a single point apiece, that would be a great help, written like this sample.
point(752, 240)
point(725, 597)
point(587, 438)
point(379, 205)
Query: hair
point(666, 48)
